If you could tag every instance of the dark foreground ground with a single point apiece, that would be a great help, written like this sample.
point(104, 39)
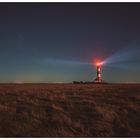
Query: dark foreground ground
point(68, 110)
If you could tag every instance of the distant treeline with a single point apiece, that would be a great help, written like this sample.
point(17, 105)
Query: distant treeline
point(82, 82)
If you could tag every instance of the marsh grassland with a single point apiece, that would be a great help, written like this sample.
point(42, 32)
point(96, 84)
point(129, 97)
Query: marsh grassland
point(69, 110)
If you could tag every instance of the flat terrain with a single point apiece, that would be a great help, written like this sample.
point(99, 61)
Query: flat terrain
point(69, 110)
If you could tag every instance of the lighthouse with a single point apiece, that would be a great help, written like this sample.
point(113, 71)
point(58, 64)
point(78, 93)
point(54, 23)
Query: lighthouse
point(98, 78)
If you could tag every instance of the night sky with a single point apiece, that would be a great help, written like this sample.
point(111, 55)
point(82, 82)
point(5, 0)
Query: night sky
point(56, 42)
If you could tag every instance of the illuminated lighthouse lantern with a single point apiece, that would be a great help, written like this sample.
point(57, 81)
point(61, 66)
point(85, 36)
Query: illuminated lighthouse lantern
point(98, 78)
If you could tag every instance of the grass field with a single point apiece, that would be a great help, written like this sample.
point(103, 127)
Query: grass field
point(69, 110)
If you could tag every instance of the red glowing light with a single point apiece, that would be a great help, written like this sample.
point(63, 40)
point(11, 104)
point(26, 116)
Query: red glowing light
point(97, 62)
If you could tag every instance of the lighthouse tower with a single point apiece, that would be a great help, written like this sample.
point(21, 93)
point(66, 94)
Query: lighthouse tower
point(98, 78)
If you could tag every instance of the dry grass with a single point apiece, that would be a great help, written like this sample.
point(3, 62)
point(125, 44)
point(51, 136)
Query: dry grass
point(67, 110)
